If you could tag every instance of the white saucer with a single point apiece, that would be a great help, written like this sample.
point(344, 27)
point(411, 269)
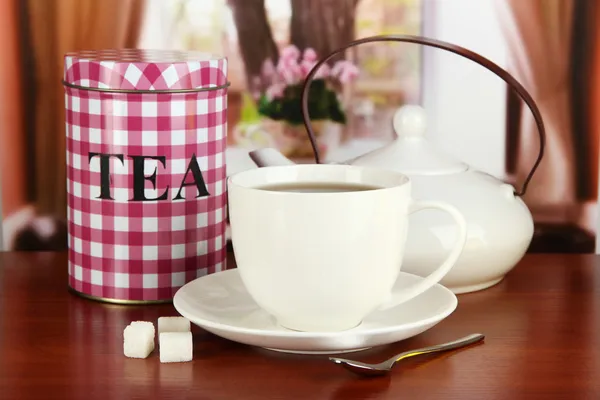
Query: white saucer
point(220, 304)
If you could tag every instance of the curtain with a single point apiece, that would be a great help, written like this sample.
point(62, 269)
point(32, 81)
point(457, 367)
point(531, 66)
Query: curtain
point(56, 27)
point(538, 35)
point(583, 39)
point(594, 106)
point(12, 151)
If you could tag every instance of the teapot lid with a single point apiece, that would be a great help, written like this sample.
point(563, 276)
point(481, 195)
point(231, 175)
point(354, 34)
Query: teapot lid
point(411, 153)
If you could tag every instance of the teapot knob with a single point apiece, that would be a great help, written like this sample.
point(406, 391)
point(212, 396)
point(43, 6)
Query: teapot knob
point(410, 121)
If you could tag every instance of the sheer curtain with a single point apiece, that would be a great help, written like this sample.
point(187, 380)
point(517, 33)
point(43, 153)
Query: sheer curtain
point(538, 35)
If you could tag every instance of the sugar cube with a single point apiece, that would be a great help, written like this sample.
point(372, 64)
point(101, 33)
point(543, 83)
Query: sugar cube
point(138, 339)
point(149, 325)
point(173, 324)
point(175, 346)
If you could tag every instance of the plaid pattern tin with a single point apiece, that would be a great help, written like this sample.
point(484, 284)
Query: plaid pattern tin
point(146, 173)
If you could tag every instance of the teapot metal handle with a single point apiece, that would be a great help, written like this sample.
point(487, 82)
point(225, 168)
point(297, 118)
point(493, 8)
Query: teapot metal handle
point(461, 51)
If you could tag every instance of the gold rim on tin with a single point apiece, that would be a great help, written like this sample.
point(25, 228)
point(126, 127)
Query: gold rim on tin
point(193, 90)
point(119, 301)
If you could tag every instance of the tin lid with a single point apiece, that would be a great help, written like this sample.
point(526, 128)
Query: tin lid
point(144, 70)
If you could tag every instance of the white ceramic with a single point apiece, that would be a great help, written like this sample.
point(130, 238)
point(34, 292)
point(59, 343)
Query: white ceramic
point(500, 226)
point(220, 304)
point(238, 159)
point(323, 261)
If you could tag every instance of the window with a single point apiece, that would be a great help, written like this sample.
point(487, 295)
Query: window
point(390, 72)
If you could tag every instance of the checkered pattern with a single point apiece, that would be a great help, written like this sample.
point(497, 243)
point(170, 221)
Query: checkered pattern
point(133, 71)
point(132, 250)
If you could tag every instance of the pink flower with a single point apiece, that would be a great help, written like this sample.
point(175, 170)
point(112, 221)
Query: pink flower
point(275, 91)
point(268, 69)
point(349, 74)
point(309, 54)
point(321, 73)
point(337, 68)
point(306, 66)
point(290, 52)
point(345, 71)
point(289, 70)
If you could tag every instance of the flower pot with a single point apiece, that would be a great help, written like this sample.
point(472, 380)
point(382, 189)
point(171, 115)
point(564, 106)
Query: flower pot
point(292, 139)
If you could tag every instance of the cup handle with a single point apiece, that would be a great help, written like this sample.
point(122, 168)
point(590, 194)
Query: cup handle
point(442, 270)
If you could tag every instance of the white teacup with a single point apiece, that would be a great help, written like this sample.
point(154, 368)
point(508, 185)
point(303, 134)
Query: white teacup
point(324, 258)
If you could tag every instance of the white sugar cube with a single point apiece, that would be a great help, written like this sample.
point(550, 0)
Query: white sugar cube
point(149, 325)
point(138, 339)
point(175, 346)
point(173, 324)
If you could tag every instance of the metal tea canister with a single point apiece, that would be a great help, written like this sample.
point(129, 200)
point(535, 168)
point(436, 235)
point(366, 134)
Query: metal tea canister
point(146, 174)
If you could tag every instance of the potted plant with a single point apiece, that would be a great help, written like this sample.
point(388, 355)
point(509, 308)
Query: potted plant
point(278, 95)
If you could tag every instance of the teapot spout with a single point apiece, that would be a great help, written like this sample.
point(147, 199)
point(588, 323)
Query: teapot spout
point(269, 157)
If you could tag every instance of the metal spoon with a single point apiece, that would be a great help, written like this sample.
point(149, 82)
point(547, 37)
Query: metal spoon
point(383, 368)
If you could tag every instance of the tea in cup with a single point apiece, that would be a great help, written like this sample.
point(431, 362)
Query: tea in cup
point(319, 247)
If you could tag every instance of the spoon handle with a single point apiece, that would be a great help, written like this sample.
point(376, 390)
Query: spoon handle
point(455, 344)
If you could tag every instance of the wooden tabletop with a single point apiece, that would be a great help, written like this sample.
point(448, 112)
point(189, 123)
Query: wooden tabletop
point(542, 326)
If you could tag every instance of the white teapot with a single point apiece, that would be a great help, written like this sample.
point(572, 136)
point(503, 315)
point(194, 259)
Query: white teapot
point(500, 226)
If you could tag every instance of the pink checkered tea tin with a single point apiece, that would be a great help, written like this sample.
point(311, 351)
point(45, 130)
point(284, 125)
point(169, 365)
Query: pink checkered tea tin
point(146, 177)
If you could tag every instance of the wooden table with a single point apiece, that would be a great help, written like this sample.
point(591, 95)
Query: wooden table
point(542, 325)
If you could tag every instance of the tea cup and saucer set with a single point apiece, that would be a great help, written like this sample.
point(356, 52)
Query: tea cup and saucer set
point(327, 261)
point(318, 251)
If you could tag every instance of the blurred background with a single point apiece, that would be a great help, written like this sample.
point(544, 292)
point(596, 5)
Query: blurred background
point(550, 46)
